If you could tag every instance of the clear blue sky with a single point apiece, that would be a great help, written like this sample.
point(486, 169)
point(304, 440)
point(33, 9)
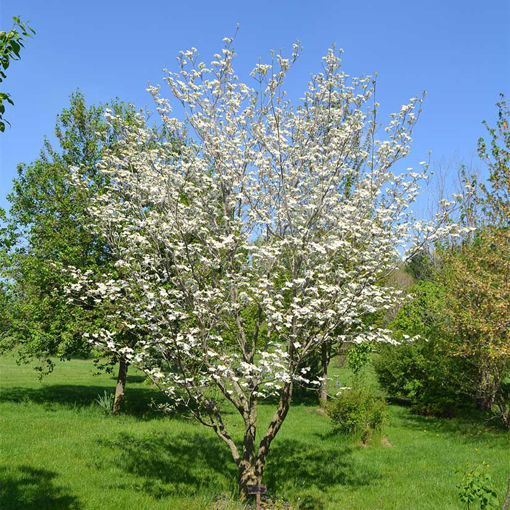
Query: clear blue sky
point(457, 51)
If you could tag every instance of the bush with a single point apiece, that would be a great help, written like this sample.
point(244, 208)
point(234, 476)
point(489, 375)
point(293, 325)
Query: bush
point(359, 411)
point(420, 374)
point(477, 487)
point(426, 372)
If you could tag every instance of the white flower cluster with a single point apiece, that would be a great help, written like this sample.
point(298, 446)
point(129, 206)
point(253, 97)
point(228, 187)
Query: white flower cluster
point(257, 234)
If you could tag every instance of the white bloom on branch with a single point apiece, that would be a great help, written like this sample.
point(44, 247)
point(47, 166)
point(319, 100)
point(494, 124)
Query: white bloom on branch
point(264, 237)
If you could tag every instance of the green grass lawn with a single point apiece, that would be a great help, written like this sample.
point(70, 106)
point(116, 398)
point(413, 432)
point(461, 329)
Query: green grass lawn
point(59, 451)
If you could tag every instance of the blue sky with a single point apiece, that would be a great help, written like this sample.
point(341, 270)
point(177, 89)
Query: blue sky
point(457, 51)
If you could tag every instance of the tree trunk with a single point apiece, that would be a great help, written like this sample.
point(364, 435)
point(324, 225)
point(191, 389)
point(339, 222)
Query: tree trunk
point(323, 390)
point(272, 430)
point(247, 474)
point(487, 389)
point(503, 407)
point(121, 385)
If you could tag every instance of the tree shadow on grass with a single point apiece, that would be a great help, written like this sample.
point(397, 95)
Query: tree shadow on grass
point(28, 488)
point(130, 379)
point(192, 465)
point(139, 401)
point(167, 465)
point(294, 464)
point(470, 428)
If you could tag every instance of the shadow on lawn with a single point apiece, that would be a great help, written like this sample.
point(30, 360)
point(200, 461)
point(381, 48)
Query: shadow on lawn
point(196, 464)
point(29, 488)
point(130, 379)
point(298, 464)
point(169, 465)
point(472, 427)
point(138, 400)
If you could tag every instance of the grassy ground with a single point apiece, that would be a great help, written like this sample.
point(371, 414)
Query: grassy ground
point(59, 451)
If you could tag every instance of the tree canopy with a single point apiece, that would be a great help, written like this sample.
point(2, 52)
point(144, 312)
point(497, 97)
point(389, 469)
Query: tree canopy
point(244, 250)
point(44, 232)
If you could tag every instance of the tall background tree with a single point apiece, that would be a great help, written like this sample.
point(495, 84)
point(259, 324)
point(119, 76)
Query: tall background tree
point(476, 275)
point(44, 232)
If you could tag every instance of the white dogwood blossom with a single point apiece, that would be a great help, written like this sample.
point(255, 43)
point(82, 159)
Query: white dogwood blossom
point(262, 232)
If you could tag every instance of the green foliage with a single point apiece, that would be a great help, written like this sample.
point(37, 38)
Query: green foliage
point(477, 487)
point(105, 401)
point(45, 232)
point(422, 374)
point(359, 411)
point(421, 266)
point(11, 43)
point(358, 357)
point(423, 370)
point(422, 313)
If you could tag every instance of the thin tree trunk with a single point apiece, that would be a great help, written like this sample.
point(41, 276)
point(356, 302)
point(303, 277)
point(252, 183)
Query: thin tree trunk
point(323, 390)
point(121, 385)
point(487, 389)
point(503, 407)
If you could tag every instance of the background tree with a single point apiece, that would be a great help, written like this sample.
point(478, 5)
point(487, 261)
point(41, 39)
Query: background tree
point(477, 313)
point(463, 311)
point(45, 232)
point(495, 200)
point(11, 43)
point(251, 214)
point(476, 275)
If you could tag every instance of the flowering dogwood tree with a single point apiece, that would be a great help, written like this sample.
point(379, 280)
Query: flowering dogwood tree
point(257, 241)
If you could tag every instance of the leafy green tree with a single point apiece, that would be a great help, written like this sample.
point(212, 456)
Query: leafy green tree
point(421, 266)
point(476, 275)
point(45, 233)
point(463, 311)
point(11, 43)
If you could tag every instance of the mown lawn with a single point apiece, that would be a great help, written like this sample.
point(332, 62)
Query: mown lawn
point(59, 451)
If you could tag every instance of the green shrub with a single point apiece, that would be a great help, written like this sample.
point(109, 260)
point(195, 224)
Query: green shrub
point(433, 381)
point(359, 411)
point(425, 372)
point(426, 377)
point(477, 487)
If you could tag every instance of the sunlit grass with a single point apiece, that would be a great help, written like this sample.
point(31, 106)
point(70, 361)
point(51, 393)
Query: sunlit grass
point(59, 450)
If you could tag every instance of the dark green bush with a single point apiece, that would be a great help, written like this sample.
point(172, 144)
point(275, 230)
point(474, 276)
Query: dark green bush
point(359, 411)
point(426, 372)
point(423, 375)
